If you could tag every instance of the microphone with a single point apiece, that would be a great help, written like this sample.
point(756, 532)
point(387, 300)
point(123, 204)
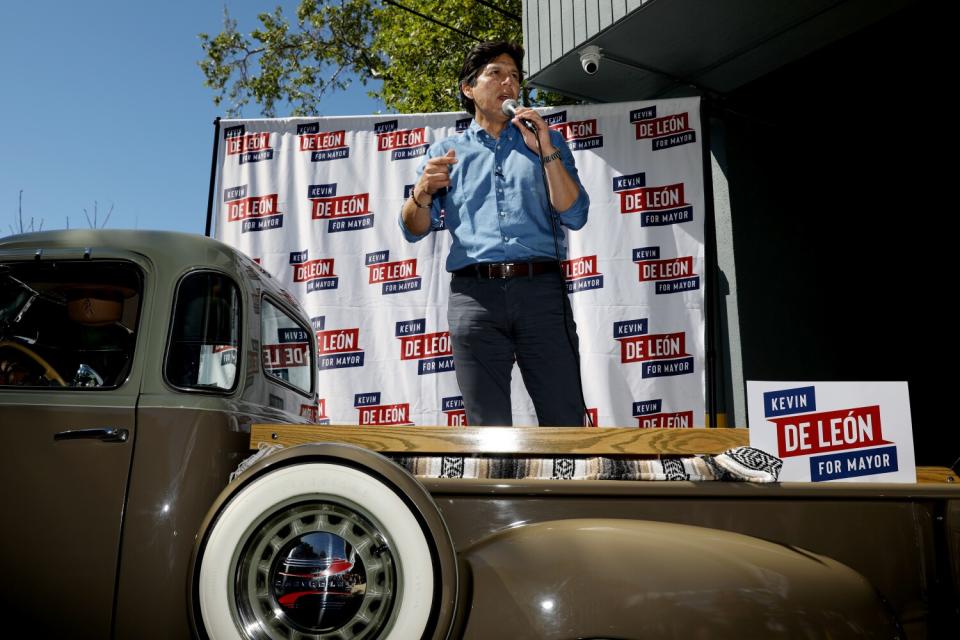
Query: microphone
point(509, 108)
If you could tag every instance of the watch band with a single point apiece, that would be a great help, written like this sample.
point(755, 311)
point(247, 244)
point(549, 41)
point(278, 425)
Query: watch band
point(553, 156)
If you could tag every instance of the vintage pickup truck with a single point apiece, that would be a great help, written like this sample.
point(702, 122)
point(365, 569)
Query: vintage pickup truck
point(138, 370)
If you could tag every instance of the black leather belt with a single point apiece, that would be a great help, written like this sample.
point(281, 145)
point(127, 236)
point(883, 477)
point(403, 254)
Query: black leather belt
point(491, 270)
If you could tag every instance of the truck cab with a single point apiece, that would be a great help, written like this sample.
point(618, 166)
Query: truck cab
point(132, 364)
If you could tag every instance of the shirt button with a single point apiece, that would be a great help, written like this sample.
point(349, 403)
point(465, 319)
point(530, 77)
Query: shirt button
point(505, 238)
point(502, 214)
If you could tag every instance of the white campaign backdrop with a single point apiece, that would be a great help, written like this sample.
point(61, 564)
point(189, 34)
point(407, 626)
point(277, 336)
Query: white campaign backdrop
point(316, 202)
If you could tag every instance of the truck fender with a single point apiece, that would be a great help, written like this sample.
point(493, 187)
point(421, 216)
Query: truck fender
point(610, 578)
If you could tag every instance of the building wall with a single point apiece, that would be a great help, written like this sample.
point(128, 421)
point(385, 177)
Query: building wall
point(551, 28)
point(839, 188)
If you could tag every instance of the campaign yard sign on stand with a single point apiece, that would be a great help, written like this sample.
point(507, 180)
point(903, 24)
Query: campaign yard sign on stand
point(834, 431)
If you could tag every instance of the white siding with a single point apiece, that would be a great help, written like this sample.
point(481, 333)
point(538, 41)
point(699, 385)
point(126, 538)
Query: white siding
point(552, 28)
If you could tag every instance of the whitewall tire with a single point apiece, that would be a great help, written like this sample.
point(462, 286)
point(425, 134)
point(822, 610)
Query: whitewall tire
point(272, 563)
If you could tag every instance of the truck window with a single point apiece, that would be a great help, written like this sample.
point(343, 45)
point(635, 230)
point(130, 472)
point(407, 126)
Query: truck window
point(286, 349)
point(204, 348)
point(68, 323)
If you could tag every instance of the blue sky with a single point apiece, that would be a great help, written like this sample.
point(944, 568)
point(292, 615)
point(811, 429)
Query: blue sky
point(102, 101)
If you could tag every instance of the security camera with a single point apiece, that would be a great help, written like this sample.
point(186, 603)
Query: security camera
point(590, 59)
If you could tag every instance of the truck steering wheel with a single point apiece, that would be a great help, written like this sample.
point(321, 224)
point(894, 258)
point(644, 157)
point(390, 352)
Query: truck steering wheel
point(48, 371)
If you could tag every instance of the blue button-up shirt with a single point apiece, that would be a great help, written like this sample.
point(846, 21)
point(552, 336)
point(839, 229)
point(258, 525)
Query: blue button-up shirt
point(496, 207)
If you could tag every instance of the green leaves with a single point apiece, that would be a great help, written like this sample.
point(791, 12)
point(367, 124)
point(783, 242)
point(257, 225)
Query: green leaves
point(410, 62)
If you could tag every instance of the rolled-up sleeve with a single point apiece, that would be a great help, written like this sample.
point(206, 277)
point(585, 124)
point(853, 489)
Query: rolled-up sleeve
point(575, 216)
point(409, 235)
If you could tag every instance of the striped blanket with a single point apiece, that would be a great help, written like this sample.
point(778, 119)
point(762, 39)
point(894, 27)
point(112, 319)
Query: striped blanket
point(740, 464)
point(744, 464)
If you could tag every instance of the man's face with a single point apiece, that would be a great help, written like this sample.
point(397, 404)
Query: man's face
point(499, 80)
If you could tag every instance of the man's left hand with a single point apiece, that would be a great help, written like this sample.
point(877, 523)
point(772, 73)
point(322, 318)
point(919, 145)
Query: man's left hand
point(543, 130)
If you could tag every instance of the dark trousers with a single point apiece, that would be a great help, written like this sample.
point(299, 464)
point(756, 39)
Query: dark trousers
point(496, 321)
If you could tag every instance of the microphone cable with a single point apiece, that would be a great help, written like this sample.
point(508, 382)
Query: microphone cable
point(555, 224)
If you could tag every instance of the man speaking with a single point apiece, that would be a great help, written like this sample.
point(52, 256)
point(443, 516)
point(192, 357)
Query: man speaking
point(508, 299)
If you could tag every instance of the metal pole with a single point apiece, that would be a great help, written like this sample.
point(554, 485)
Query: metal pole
point(213, 174)
point(711, 292)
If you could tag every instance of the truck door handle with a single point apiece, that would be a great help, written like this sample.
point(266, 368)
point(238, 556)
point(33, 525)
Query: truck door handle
point(104, 434)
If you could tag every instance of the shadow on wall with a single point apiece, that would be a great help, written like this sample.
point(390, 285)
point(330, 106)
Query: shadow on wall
point(837, 191)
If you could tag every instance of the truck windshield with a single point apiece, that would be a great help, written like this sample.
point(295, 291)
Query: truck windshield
point(68, 323)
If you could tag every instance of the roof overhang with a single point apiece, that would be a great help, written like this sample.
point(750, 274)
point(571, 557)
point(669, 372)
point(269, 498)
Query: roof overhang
point(686, 47)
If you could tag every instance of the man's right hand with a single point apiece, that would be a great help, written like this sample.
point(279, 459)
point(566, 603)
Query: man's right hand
point(436, 174)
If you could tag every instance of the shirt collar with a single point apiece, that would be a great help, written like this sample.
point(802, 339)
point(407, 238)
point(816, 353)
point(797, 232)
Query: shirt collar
point(481, 134)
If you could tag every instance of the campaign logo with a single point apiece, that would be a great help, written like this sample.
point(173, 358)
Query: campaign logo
point(339, 348)
point(454, 410)
point(664, 132)
point(435, 226)
point(322, 145)
point(291, 350)
point(315, 413)
point(662, 354)
point(581, 274)
point(248, 147)
point(658, 205)
point(590, 418)
point(374, 413)
point(228, 354)
point(855, 432)
point(579, 134)
point(650, 415)
point(317, 274)
point(644, 113)
point(432, 351)
point(394, 277)
point(342, 212)
point(558, 117)
point(670, 275)
point(255, 213)
point(401, 143)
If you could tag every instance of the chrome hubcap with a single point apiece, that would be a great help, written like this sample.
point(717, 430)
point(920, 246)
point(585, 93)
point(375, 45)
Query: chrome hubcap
point(315, 570)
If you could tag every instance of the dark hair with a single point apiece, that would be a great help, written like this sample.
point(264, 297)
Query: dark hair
point(478, 58)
